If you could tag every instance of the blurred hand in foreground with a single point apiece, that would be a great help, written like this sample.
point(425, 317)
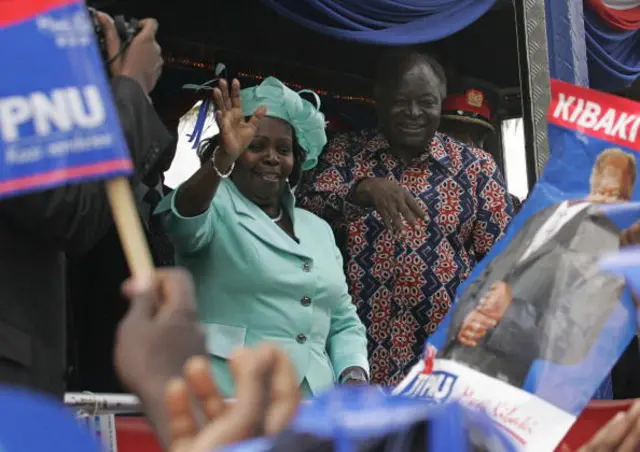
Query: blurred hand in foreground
point(159, 332)
point(621, 434)
point(267, 398)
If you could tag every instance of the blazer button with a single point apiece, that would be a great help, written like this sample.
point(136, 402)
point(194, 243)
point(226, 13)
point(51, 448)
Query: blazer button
point(306, 267)
point(301, 338)
point(305, 301)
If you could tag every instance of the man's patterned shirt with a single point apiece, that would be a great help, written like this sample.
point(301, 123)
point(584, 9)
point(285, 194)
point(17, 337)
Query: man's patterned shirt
point(403, 287)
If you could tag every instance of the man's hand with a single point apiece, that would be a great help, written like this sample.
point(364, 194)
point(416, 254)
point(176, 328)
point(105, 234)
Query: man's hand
point(621, 434)
point(267, 398)
point(496, 302)
point(141, 60)
point(159, 333)
point(631, 235)
point(392, 201)
point(598, 198)
point(354, 376)
point(474, 327)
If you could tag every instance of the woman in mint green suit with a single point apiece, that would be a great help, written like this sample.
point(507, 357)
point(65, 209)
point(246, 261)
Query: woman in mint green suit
point(264, 269)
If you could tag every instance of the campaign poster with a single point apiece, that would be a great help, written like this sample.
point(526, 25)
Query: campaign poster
point(538, 325)
point(58, 122)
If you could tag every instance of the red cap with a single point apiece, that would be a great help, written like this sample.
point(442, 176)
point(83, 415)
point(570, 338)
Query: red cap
point(472, 106)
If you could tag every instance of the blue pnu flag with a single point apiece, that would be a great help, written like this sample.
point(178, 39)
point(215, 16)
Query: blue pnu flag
point(537, 327)
point(58, 123)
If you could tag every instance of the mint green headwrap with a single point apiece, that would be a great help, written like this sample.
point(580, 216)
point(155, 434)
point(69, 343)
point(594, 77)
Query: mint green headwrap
point(282, 102)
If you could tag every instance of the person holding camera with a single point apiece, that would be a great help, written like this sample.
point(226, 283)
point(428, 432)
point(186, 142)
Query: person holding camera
point(37, 230)
point(98, 273)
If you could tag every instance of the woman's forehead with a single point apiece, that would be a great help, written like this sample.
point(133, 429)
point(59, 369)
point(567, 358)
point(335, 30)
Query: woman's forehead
point(274, 128)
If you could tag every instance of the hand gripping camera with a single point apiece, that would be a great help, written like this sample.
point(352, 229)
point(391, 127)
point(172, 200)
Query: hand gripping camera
point(127, 30)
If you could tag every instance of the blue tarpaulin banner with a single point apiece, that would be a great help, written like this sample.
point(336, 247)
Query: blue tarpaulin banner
point(538, 325)
point(58, 123)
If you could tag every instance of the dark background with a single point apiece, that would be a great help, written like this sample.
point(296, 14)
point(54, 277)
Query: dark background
point(251, 38)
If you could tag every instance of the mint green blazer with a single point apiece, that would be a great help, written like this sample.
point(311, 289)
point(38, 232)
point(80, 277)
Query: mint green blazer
point(255, 283)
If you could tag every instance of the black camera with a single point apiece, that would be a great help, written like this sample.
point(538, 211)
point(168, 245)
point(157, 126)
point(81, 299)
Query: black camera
point(127, 30)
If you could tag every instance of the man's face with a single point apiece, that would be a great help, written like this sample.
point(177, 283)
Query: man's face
point(409, 108)
point(613, 183)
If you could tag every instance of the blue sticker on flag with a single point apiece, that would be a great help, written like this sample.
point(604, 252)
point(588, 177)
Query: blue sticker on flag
point(58, 122)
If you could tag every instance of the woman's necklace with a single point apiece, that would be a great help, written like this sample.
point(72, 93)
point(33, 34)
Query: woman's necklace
point(279, 217)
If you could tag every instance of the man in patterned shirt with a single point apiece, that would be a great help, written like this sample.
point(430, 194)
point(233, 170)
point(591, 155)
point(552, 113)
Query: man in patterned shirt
point(417, 210)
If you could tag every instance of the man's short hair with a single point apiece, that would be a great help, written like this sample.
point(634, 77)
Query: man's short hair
point(394, 62)
point(613, 152)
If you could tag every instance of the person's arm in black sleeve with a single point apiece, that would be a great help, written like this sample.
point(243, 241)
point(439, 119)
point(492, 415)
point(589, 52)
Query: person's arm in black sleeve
point(75, 217)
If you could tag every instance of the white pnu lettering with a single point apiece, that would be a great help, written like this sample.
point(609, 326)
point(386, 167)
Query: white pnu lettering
point(61, 110)
point(591, 115)
point(436, 386)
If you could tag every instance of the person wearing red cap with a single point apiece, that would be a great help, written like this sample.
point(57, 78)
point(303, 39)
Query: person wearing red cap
point(467, 116)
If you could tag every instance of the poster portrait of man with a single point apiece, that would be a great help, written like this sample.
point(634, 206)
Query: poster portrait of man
point(544, 297)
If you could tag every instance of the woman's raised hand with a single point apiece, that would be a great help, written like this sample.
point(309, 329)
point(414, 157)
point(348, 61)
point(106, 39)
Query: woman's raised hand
point(236, 133)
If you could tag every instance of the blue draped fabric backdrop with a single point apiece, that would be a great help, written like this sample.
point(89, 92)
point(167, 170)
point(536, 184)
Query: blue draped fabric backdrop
point(384, 22)
point(613, 55)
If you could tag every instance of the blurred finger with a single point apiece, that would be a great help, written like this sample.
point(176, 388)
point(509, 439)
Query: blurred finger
point(202, 385)
point(235, 94)
point(224, 90)
point(484, 322)
point(253, 389)
point(183, 425)
point(285, 392)
point(242, 418)
point(632, 434)
point(408, 215)
point(467, 342)
point(395, 218)
point(631, 441)
point(609, 436)
point(470, 335)
point(112, 40)
point(257, 116)
point(415, 207)
point(385, 217)
point(613, 433)
point(149, 27)
point(219, 101)
point(476, 331)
